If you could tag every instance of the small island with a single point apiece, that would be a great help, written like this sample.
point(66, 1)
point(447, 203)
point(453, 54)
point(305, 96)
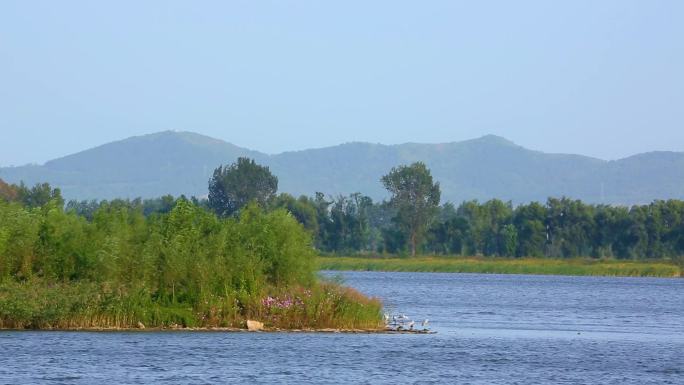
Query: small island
point(185, 269)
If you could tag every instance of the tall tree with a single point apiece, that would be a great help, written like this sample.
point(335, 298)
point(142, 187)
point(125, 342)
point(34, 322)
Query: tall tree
point(416, 198)
point(232, 187)
point(39, 195)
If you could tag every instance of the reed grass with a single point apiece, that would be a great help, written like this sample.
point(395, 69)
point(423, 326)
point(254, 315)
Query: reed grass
point(42, 305)
point(326, 306)
point(575, 266)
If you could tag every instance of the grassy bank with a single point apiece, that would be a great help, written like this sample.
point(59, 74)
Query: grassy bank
point(504, 266)
point(39, 305)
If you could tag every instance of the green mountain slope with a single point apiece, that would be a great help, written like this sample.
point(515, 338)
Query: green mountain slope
point(484, 168)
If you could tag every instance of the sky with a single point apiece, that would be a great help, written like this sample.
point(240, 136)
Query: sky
point(599, 78)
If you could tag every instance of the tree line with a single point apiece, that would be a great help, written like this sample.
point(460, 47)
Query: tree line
point(413, 221)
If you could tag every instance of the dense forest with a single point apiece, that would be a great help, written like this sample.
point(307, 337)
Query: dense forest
point(558, 228)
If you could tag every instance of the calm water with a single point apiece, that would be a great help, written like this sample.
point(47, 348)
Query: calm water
point(492, 329)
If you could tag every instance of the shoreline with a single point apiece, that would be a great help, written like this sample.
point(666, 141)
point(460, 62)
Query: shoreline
point(224, 330)
point(493, 265)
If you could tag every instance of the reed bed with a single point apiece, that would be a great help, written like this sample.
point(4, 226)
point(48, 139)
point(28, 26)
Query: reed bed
point(575, 266)
point(41, 305)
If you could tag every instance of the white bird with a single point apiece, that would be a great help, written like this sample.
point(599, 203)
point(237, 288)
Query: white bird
point(425, 322)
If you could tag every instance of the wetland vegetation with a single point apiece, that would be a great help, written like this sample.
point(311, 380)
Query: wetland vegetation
point(547, 266)
point(248, 253)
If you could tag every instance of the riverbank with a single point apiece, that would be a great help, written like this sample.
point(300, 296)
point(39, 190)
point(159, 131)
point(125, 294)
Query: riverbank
point(221, 330)
point(544, 266)
point(381, 330)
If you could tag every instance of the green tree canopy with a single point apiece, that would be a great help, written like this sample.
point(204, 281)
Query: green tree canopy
point(39, 195)
point(233, 187)
point(416, 198)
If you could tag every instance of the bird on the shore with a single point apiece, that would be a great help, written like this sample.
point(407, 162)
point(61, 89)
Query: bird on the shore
point(425, 322)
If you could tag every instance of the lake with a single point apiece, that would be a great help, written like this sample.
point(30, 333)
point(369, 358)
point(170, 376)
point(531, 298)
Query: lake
point(491, 329)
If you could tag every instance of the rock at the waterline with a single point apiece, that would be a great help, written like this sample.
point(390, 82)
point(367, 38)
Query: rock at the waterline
point(141, 325)
point(254, 326)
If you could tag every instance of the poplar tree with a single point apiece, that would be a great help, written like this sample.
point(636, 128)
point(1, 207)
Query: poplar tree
point(416, 199)
point(233, 187)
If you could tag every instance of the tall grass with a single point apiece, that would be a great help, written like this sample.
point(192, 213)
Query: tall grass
point(326, 306)
point(576, 266)
point(42, 305)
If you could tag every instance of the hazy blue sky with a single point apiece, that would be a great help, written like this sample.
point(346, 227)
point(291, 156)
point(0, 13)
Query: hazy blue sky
point(602, 78)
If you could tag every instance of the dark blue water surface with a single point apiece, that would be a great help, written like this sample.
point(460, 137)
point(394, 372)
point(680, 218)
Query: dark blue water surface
point(492, 329)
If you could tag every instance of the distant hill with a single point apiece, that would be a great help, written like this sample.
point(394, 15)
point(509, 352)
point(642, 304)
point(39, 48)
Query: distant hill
point(146, 166)
point(489, 167)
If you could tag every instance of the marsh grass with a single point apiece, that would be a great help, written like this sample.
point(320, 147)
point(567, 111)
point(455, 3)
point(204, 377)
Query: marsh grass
point(41, 305)
point(575, 266)
point(328, 305)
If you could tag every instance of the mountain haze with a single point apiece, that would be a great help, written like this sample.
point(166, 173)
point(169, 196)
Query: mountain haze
point(146, 166)
point(484, 168)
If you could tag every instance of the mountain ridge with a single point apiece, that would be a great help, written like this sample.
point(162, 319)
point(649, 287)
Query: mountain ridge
point(181, 162)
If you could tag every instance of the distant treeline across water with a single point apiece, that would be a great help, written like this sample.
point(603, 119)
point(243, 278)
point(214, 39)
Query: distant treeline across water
point(559, 228)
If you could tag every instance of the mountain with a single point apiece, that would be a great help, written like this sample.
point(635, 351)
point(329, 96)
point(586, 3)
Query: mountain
point(145, 166)
point(488, 167)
